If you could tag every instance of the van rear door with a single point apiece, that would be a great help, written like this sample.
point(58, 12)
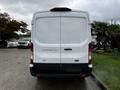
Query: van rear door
point(47, 38)
point(74, 38)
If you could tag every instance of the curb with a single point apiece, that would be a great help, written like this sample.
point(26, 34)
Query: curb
point(99, 82)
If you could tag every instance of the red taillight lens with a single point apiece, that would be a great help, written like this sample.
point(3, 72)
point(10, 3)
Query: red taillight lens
point(89, 53)
point(31, 47)
point(31, 61)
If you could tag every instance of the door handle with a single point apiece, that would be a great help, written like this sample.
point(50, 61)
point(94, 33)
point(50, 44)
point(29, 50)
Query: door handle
point(68, 49)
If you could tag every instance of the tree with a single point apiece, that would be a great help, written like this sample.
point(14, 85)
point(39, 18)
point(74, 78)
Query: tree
point(114, 33)
point(102, 34)
point(108, 35)
point(9, 27)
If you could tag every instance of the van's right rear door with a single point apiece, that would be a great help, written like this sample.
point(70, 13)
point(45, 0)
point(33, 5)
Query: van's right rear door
point(74, 38)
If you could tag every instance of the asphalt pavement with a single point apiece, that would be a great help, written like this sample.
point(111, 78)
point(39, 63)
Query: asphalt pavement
point(15, 75)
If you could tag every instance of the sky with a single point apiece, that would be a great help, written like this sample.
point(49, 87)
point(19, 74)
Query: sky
point(100, 10)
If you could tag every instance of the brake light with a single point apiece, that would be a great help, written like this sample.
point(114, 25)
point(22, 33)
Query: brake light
point(31, 47)
point(89, 53)
point(31, 59)
point(31, 62)
point(60, 9)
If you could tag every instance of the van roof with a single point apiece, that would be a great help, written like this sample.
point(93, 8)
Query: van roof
point(63, 9)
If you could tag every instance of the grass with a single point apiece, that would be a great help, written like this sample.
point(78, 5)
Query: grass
point(107, 68)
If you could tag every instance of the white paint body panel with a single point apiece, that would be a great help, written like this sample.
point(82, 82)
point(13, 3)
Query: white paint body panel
point(52, 32)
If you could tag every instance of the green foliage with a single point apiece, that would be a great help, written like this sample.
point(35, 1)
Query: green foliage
point(107, 33)
point(107, 68)
point(9, 26)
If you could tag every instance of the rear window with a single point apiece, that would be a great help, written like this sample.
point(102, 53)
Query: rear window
point(65, 30)
point(73, 30)
point(48, 30)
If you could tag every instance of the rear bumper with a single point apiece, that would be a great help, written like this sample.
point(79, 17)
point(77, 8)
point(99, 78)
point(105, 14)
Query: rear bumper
point(58, 70)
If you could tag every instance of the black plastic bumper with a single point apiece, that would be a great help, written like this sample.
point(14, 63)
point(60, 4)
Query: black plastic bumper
point(60, 69)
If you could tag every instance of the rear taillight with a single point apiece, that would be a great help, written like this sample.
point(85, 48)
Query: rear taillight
point(89, 56)
point(31, 47)
point(31, 62)
point(31, 59)
point(89, 53)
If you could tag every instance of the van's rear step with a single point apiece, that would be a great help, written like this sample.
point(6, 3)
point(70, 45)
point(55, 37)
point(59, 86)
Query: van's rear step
point(60, 69)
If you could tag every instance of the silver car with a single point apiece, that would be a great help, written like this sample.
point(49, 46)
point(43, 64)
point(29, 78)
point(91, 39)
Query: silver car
point(24, 42)
point(11, 44)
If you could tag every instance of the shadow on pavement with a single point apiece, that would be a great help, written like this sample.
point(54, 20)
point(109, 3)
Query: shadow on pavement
point(60, 84)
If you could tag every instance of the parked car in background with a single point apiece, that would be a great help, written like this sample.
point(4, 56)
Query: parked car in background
point(12, 43)
point(23, 42)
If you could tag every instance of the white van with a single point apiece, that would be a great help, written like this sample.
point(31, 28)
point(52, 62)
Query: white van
point(60, 43)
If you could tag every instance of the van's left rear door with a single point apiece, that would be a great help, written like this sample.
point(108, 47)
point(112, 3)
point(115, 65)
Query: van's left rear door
point(47, 38)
